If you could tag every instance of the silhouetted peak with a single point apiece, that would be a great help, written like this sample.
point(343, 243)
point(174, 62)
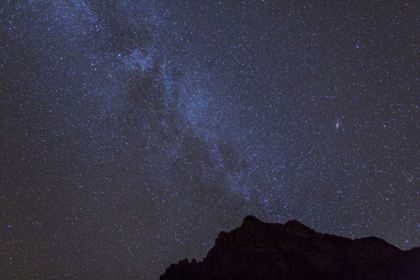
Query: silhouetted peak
point(373, 240)
point(251, 221)
point(258, 250)
point(184, 262)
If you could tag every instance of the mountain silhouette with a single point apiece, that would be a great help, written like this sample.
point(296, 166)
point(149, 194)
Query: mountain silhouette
point(258, 250)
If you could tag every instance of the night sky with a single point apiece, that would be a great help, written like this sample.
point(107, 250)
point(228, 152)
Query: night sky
point(132, 132)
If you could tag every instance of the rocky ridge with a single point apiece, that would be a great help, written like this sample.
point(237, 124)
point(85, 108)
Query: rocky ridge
point(258, 250)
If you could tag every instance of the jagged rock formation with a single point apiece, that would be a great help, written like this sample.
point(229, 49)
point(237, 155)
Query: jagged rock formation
point(258, 250)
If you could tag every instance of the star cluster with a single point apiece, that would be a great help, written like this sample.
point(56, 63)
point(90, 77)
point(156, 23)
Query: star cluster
point(132, 132)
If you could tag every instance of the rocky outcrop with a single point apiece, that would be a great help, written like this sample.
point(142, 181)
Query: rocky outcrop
point(258, 250)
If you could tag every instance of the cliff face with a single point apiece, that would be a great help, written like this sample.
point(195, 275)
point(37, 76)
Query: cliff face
point(258, 250)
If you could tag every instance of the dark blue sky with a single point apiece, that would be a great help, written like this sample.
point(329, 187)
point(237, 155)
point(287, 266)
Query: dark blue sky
point(132, 132)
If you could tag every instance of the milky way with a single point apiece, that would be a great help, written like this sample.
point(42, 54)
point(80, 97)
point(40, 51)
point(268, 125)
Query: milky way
point(132, 132)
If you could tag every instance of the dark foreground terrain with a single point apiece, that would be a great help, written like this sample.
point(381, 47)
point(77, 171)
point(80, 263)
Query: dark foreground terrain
point(258, 250)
